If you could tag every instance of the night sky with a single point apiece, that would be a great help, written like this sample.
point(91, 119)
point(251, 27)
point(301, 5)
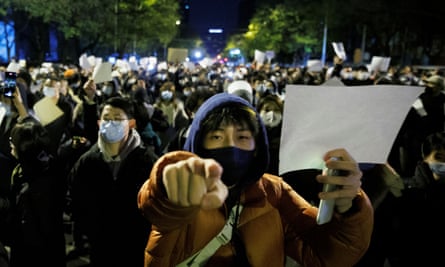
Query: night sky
point(230, 15)
point(205, 14)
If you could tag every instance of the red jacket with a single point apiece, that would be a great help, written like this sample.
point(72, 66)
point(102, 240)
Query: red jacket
point(276, 222)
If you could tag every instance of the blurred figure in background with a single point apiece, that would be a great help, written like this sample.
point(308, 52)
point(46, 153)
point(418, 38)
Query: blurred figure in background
point(422, 226)
point(270, 108)
point(37, 199)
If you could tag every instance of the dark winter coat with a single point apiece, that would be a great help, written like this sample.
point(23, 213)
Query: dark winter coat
point(105, 207)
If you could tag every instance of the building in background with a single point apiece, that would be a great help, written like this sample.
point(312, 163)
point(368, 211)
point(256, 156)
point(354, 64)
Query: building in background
point(7, 41)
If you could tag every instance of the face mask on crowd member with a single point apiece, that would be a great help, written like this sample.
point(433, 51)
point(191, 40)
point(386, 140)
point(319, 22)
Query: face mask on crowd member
point(113, 131)
point(107, 90)
point(271, 118)
point(438, 168)
point(228, 134)
point(261, 88)
point(167, 91)
point(433, 150)
point(271, 110)
point(116, 120)
point(51, 88)
point(363, 75)
point(436, 162)
point(49, 91)
point(167, 95)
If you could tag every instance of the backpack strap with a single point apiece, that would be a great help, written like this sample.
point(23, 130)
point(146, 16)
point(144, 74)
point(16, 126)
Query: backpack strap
point(201, 257)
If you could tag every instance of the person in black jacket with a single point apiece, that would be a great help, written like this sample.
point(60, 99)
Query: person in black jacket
point(36, 200)
point(104, 183)
point(423, 200)
point(12, 111)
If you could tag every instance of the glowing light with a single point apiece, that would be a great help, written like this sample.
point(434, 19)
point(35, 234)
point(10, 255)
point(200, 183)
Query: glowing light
point(198, 54)
point(215, 30)
point(235, 51)
point(112, 60)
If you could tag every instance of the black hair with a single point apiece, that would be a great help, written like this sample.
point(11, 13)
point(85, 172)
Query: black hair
point(433, 142)
point(124, 103)
point(270, 98)
point(32, 143)
point(195, 99)
point(232, 113)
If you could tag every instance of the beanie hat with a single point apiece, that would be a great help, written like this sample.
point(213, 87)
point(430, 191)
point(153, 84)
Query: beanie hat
point(241, 88)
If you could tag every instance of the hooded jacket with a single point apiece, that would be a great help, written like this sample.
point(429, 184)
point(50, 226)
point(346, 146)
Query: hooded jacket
point(275, 222)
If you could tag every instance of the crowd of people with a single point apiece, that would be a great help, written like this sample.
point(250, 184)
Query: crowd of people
point(149, 165)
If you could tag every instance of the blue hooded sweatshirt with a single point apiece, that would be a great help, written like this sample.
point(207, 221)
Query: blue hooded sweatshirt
point(195, 138)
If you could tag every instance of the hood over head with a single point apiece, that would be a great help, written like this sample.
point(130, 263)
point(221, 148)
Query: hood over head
point(194, 140)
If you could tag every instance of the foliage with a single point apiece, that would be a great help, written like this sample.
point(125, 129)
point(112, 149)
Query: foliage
point(128, 25)
point(385, 28)
point(278, 28)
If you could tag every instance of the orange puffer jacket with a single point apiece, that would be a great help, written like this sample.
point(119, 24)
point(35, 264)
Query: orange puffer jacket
point(276, 222)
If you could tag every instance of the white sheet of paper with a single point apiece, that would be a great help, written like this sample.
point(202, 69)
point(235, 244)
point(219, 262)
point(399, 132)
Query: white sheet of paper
point(362, 119)
point(13, 67)
point(270, 54)
point(339, 50)
point(379, 64)
point(83, 62)
point(260, 56)
point(47, 111)
point(92, 60)
point(102, 72)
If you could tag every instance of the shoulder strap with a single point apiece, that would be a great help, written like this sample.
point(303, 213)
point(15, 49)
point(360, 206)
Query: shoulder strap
point(200, 258)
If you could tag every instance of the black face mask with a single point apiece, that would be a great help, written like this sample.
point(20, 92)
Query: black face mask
point(235, 162)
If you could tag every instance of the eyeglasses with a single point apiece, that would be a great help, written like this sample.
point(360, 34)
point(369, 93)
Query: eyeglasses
point(114, 119)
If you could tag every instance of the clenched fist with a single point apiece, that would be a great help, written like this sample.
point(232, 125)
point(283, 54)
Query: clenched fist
point(195, 182)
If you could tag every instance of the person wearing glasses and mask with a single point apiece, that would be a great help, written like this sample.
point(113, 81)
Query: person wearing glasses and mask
point(103, 186)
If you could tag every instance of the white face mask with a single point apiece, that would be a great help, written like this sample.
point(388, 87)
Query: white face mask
point(347, 75)
point(362, 76)
point(270, 118)
point(49, 91)
point(166, 95)
point(438, 168)
point(107, 90)
point(113, 131)
point(187, 92)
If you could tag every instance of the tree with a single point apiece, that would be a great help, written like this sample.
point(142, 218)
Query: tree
point(105, 27)
point(398, 28)
point(277, 28)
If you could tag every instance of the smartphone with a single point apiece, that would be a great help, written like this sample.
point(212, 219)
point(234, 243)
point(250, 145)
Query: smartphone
point(326, 206)
point(9, 84)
